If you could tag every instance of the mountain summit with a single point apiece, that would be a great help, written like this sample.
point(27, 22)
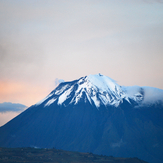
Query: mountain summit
point(96, 89)
point(93, 114)
point(100, 90)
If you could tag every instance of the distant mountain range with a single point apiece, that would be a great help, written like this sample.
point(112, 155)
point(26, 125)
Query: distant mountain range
point(93, 114)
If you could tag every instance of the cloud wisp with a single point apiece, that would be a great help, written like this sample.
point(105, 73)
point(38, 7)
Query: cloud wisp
point(58, 81)
point(10, 110)
point(11, 107)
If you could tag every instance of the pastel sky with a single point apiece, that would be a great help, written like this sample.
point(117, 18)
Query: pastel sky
point(45, 40)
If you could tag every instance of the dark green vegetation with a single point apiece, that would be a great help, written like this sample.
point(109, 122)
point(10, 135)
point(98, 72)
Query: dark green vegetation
point(8, 155)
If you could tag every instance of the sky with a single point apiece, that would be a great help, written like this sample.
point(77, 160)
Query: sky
point(45, 41)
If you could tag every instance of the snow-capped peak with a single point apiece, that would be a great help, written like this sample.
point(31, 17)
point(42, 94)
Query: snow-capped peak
point(97, 90)
point(100, 89)
point(104, 83)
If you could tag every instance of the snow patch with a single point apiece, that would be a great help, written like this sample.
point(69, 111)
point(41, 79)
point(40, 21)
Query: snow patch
point(50, 102)
point(59, 91)
point(64, 96)
point(96, 101)
point(102, 82)
point(41, 101)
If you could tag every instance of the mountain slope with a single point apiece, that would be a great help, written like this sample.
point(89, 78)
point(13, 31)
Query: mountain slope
point(93, 114)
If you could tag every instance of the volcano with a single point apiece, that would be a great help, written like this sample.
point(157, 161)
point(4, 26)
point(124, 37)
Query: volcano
point(93, 114)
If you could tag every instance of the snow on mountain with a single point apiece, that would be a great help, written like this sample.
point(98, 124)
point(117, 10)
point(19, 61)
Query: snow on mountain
point(135, 93)
point(101, 90)
point(41, 101)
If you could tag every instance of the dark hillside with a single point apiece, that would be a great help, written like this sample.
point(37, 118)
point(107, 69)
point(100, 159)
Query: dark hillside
point(33, 155)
